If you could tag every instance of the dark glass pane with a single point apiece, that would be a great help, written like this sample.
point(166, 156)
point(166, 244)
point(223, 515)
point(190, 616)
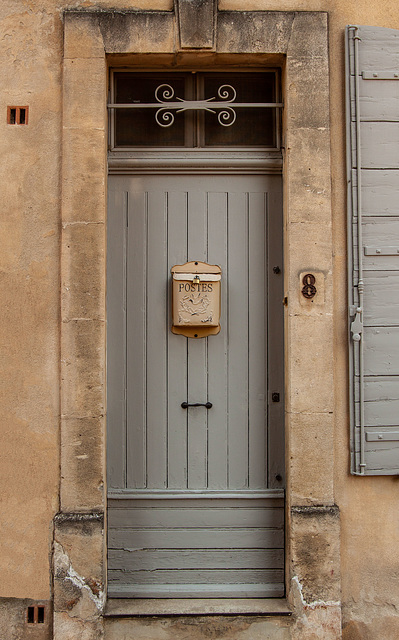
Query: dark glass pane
point(138, 127)
point(252, 127)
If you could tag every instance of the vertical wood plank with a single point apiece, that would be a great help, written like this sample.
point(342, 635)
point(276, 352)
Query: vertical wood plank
point(157, 283)
point(116, 336)
point(257, 347)
point(276, 438)
point(177, 350)
point(137, 354)
point(197, 353)
point(238, 339)
point(217, 348)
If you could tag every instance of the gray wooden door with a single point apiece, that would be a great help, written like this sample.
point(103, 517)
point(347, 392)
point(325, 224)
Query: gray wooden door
point(195, 499)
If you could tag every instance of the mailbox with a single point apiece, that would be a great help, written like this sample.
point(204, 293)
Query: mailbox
point(196, 299)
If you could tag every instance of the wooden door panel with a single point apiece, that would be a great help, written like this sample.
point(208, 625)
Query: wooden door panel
point(157, 446)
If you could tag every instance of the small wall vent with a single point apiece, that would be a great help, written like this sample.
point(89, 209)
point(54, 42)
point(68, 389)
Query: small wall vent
point(17, 115)
point(35, 615)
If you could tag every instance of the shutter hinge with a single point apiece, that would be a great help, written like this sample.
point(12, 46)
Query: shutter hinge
point(357, 325)
point(380, 75)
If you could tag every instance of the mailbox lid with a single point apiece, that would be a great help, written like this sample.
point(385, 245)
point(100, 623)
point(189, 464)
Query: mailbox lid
point(194, 267)
point(201, 277)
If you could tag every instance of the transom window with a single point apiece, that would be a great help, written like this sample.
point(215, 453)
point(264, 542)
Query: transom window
point(194, 110)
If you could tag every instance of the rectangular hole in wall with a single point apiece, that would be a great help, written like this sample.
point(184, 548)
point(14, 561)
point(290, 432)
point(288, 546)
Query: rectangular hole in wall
point(12, 112)
point(17, 115)
point(31, 615)
point(35, 614)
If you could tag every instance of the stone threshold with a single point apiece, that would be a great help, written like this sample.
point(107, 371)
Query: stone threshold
point(126, 607)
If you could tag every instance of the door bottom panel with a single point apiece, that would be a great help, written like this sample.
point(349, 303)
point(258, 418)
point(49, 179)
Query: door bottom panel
point(177, 549)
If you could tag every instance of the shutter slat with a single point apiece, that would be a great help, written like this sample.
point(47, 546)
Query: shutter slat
point(372, 67)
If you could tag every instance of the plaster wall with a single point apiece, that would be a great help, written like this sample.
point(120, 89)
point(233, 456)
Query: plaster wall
point(31, 48)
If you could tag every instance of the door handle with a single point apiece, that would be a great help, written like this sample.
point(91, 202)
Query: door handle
point(186, 405)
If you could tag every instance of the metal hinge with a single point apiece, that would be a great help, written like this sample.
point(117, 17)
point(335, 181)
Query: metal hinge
point(380, 75)
point(357, 325)
point(381, 251)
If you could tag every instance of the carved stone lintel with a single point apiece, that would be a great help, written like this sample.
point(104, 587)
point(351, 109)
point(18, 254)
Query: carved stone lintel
point(196, 23)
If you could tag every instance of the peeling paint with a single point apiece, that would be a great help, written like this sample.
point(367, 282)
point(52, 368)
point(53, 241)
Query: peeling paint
point(315, 603)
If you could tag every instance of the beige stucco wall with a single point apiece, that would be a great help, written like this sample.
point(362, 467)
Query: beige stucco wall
point(30, 73)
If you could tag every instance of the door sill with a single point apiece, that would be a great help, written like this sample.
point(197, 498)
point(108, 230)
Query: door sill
point(128, 607)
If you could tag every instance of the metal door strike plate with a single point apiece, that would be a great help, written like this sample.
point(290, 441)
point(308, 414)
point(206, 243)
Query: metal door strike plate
point(196, 299)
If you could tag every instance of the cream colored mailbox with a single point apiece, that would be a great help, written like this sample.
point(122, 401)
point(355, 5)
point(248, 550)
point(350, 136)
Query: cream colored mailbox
point(196, 299)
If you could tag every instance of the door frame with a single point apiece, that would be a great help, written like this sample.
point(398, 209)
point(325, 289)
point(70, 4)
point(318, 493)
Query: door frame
point(298, 41)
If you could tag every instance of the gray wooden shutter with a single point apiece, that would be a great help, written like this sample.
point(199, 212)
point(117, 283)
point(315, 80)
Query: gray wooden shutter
point(372, 62)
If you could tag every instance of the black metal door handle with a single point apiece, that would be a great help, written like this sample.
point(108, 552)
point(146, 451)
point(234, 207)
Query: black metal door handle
point(185, 405)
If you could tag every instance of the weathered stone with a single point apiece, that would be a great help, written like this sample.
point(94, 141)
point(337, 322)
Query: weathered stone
point(82, 482)
point(196, 20)
point(307, 394)
point(315, 543)
point(14, 621)
point(266, 31)
point(78, 575)
point(84, 175)
point(82, 368)
point(85, 93)
point(318, 622)
point(137, 32)
point(308, 76)
point(310, 457)
point(309, 188)
point(82, 36)
point(308, 36)
point(199, 628)
point(83, 281)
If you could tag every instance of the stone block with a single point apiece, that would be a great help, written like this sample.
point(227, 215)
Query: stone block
point(261, 32)
point(308, 187)
point(311, 364)
point(85, 93)
point(82, 35)
point(78, 575)
point(138, 32)
point(82, 460)
point(309, 36)
point(196, 23)
point(199, 628)
point(84, 163)
point(306, 101)
point(310, 248)
point(82, 368)
point(310, 457)
point(315, 544)
point(83, 272)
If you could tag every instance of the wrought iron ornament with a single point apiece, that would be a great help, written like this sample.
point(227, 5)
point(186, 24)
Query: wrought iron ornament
point(164, 94)
point(167, 105)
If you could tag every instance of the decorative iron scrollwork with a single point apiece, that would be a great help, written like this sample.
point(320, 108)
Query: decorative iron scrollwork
point(164, 94)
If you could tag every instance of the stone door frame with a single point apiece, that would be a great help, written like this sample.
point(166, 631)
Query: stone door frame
point(298, 42)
